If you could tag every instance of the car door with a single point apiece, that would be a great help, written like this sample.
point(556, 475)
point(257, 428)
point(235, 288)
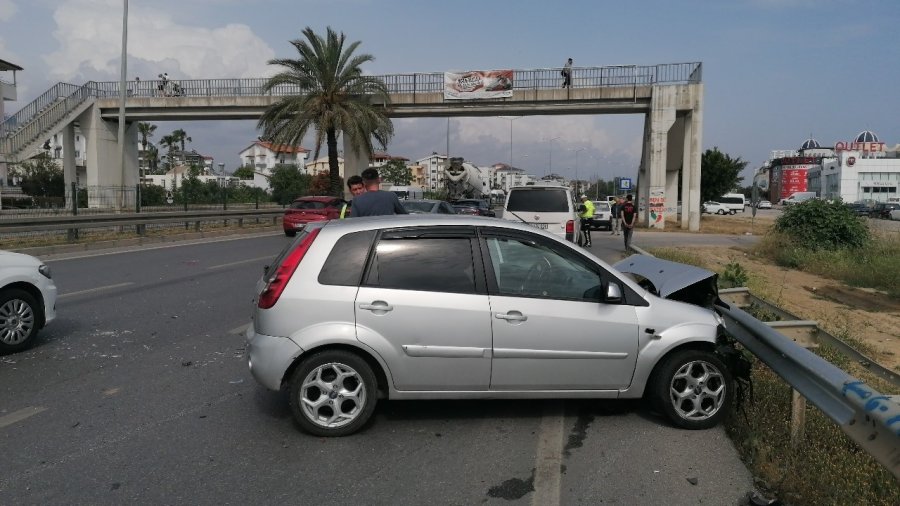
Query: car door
point(551, 329)
point(423, 305)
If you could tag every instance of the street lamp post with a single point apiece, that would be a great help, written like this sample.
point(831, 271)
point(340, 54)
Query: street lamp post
point(510, 119)
point(576, 165)
point(123, 69)
point(551, 153)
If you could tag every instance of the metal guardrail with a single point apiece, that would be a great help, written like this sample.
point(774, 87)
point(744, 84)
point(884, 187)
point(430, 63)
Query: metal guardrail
point(868, 417)
point(865, 415)
point(129, 219)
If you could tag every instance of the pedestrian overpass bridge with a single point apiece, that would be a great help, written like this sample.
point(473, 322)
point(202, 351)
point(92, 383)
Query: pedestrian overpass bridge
point(670, 96)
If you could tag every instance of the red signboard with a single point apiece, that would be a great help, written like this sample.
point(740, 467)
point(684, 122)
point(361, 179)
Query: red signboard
point(793, 179)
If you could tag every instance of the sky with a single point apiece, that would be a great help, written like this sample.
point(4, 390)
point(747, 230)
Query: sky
point(775, 72)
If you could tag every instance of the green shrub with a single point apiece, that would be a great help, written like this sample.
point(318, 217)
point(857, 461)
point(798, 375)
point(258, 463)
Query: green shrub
point(734, 275)
point(817, 224)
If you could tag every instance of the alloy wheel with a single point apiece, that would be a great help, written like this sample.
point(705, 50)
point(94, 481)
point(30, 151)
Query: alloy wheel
point(16, 321)
point(332, 395)
point(697, 390)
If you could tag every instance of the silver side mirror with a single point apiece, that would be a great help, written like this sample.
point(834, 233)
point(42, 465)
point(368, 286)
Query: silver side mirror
point(613, 293)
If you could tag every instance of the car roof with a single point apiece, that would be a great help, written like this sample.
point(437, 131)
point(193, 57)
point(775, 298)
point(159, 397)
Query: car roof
point(427, 201)
point(424, 220)
point(315, 198)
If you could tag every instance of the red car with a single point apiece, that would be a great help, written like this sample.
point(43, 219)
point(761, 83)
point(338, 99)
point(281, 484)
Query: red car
point(308, 209)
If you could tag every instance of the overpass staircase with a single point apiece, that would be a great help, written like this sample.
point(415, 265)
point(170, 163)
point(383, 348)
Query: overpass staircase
point(23, 132)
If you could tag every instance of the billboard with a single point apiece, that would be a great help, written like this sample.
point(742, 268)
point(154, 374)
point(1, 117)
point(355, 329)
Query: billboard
point(793, 179)
point(476, 84)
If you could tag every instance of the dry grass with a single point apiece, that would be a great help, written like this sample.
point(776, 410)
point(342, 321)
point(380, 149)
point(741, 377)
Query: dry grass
point(738, 224)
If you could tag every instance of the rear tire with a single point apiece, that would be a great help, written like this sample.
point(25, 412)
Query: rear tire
point(721, 211)
point(692, 388)
point(333, 393)
point(20, 319)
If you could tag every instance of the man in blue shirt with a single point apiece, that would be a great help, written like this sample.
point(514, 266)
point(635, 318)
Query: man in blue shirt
point(375, 202)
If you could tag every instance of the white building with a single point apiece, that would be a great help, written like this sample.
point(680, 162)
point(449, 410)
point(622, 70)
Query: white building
point(433, 170)
point(263, 156)
point(503, 177)
point(863, 169)
point(174, 178)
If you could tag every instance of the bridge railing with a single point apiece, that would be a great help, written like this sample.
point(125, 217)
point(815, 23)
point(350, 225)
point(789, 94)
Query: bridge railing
point(429, 82)
point(43, 113)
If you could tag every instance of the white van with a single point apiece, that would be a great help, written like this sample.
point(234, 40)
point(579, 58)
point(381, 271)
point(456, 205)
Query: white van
point(547, 207)
point(798, 197)
point(734, 202)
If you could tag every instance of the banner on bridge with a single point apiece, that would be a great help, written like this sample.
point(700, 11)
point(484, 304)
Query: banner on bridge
point(476, 84)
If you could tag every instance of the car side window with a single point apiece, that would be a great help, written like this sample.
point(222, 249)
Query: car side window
point(344, 265)
point(432, 264)
point(529, 268)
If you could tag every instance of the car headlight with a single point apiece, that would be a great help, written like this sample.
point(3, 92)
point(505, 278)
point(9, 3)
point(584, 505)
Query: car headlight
point(45, 270)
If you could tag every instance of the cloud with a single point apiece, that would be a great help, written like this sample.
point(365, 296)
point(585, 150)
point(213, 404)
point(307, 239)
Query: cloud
point(7, 10)
point(89, 33)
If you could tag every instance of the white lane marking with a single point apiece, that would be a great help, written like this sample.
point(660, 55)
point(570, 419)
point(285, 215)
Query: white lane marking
point(548, 459)
point(98, 289)
point(239, 262)
point(18, 416)
point(239, 330)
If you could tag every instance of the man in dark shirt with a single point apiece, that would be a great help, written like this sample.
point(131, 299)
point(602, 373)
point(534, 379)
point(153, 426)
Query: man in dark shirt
point(629, 215)
point(375, 202)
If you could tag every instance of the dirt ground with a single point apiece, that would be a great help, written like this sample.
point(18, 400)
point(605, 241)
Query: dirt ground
point(867, 315)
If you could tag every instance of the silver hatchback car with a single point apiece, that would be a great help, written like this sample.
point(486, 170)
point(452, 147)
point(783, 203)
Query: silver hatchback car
point(457, 307)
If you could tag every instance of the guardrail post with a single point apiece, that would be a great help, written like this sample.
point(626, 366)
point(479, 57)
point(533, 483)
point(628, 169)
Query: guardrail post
point(141, 229)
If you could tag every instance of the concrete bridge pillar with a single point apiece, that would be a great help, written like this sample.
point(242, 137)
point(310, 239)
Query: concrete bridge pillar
point(693, 146)
point(354, 163)
point(652, 186)
point(102, 162)
point(69, 176)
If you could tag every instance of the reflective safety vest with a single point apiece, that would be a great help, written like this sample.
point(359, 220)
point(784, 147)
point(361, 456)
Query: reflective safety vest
point(588, 209)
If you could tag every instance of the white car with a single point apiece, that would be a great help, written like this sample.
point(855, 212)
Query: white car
point(764, 204)
point(27, 300)
point(547, 207)
point(895, 214)
point(716, 208)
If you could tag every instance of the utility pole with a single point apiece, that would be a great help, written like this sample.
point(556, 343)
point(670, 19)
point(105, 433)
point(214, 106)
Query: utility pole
point(124, 68)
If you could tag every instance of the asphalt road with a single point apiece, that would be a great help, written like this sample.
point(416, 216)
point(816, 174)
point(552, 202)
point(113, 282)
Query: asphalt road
point(139, 393)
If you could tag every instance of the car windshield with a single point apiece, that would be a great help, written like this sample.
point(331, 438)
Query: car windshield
point(417, 207)
point(308, 204)
point(538, 200)
point(601, 207)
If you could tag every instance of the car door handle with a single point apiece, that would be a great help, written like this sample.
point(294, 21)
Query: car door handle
point(377, 306)
point(511, 316)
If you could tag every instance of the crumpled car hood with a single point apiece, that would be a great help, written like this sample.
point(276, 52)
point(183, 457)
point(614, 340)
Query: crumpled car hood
point(673, 280)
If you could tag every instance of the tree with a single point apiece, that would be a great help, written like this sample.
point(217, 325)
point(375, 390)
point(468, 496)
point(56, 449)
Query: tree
point(180, 136)
point(288, 183)
point(169, 142)
point(719, 174)
point(245, 172)
point(396, 172)
point(146, 131)
point(41, 177)
point(334, 98)
point(320, 184)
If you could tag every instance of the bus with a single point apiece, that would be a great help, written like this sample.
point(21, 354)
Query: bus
point(733, 201)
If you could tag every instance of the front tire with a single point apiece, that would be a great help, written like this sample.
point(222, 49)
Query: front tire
point(333, 393)
point(20, 319)
point(692, 388)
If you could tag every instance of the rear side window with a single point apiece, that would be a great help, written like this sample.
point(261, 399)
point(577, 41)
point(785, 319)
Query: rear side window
point(544, 200)
point(308, 204)
point(345, 263)
point(431, 264)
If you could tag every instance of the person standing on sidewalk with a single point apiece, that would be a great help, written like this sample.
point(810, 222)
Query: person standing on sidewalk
point(615, 225)
point(628, 215)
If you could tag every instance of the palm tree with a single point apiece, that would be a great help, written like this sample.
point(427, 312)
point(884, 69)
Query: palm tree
point(334, 98)
point(146, 130)
point(169, 142)
point(180, 136)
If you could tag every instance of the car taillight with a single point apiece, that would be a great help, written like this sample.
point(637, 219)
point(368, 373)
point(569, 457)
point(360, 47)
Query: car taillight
point(275, 285)
point(570, 227)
